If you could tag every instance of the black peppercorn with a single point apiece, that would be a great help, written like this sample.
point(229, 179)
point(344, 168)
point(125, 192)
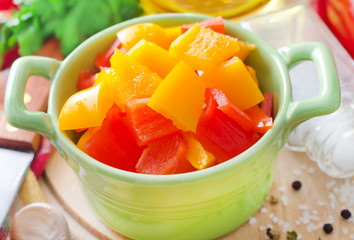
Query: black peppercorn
point(345, 213)
point(327, 228)
point(296, 185)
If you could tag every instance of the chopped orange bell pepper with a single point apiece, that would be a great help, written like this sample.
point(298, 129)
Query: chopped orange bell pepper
point(128, 80)
point(154, 57)
point(196, 154)
point(203, 49)
point(180, 97)
point(149, 31)
point(172, 33)
point(244, 50)
point(233, 78)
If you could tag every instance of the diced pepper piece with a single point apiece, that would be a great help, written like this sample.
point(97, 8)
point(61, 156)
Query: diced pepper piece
point(165, 156)
point(267, 104)
point(262, 122)
point(154, 57)
point(230, 109)
point(81, 144)
point(196, 154)
point(217, 24)
point(149, 31)
point(244, 50)
point(253, 74)
point(172, 33)
point(86, 79)
point(220, 134)
point(180, 97)
point(203, 49)
point(233, 78)
point(102, 59)
point(84, 109)
point(128, 80)
point(113, 144)
point(147, 125)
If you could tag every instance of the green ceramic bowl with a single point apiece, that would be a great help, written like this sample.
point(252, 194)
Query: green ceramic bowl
point(197, 205)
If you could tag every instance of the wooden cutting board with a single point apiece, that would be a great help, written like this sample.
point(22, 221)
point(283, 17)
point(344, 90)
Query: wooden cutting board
point(320, 200)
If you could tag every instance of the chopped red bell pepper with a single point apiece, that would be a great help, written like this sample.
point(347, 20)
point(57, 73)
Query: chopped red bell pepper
point(86, 79)
point(262, 122)
point(230, 109)
point(103, 59)
point(216, 24)
point(147, 124)
point(220, 134)
point(267, 104)
point(113, 144)
point(165, 156)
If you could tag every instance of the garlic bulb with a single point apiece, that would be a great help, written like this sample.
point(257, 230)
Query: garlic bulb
point(38, 221)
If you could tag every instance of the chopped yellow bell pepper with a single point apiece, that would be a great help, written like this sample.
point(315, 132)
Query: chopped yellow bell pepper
point(203, 49)
point(154, 57)
point(84, 109)
point(233, 78)
point(196, 154)
point(128, 80)
point(180, 97)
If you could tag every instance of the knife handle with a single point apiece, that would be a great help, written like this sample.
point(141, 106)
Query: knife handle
point(17, 113)
point(35, 99)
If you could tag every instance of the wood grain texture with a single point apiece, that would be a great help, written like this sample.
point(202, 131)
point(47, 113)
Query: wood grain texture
point(304, 211)
point(35, 98)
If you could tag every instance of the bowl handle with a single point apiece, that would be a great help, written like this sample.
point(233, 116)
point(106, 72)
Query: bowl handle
point(328, 99)
point(16, 112)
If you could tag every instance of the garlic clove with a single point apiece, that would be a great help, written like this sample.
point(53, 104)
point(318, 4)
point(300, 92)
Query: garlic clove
point(38, 221)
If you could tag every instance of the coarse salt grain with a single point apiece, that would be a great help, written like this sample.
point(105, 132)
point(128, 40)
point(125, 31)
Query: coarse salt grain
point(312, 227)
point(299, 236)
point(264, 210)
point(297, 222)
point(345, 231)
point(352, 236)
point(321, 203)
point(332, 199)
point(297, 172)
point(281, 222)
point(252, 220)
point(282, 189)
point(303, 207)
point(262, 228)
point(330, 184)
point(303, 166)
point(284, 200)
point(275, 219)
point(271, 215)
point(311, 170)
point(269, 225)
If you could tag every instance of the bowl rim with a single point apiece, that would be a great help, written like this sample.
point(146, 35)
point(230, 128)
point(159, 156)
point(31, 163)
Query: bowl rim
point(88, 162)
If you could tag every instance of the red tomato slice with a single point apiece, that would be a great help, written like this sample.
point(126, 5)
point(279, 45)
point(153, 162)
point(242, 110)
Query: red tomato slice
point(216, 24)
point(103, 59)
point(113, 144)
point(147, 125)
point(230, 109)
point(220, 134)
point(86, 79)
point(165, 156)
